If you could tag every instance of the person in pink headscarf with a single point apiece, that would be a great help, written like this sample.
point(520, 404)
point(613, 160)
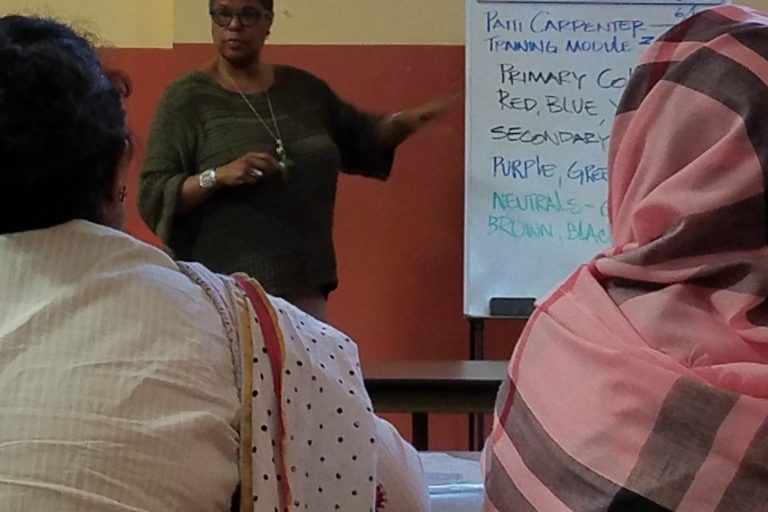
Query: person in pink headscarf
point(641, 382)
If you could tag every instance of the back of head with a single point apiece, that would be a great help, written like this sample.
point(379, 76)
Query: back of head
point(62, 126)
point(689, 148)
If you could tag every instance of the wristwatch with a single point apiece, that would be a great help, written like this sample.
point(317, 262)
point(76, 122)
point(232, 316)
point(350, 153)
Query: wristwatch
point(207, 180)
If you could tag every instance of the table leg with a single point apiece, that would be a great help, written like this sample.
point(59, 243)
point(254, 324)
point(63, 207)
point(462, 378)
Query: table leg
point(420, 426)
point(472, 435)
point(480, 431)
point(476, 352)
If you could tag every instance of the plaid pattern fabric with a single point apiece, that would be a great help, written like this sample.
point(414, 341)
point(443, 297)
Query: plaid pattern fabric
point(640, 383)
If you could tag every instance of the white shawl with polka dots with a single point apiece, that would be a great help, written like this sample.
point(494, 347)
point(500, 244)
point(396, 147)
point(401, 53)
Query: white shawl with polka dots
point(309, 438)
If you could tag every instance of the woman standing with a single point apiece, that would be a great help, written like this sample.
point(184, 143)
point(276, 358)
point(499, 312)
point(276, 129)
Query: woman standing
point(244, 157)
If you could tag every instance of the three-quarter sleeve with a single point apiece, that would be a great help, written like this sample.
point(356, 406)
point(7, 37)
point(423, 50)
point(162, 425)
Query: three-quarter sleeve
point(354, 133)
point(170, 159)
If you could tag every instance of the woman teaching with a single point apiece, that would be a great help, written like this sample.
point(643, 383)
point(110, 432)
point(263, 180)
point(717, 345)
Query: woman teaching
point(243, 161)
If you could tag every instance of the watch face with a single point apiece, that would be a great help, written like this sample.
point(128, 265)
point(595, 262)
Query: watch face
point(208, 180)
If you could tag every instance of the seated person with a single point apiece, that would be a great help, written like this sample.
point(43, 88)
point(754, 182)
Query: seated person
point(129, 382)
point(641, 382)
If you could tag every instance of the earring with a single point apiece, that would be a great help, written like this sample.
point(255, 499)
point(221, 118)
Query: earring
point(123, 193)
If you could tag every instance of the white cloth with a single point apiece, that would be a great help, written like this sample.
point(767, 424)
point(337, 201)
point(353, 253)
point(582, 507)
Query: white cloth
point(116, 384)
point(336, 454)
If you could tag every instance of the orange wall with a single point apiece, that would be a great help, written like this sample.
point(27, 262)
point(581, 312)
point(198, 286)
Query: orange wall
point(399, 242)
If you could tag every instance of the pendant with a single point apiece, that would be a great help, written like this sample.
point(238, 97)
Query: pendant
point(284, 163)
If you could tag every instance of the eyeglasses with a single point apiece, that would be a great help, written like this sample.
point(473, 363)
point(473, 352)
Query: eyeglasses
point(247, 17)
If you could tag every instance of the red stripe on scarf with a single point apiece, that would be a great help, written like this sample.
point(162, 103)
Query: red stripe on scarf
point(276, 352)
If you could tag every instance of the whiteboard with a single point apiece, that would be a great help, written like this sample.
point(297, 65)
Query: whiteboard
point(543, 80)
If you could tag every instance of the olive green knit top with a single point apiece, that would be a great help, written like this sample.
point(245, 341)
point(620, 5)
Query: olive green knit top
point(279, 230)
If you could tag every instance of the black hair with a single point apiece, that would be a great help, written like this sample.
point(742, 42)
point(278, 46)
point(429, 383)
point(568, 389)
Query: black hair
point(62, 125)
point(267, 4)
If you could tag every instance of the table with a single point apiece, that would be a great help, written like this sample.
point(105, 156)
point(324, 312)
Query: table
point(423, 387)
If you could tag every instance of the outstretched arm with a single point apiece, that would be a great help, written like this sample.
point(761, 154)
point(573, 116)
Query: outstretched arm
point(394, 129)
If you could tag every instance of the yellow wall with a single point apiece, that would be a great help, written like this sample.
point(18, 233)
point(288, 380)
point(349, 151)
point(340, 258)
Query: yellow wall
point(160, 23)
point(123, 23)
point(344, 22)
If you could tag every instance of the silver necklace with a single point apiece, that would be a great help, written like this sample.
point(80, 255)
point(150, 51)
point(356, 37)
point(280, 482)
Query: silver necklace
point(284, 162)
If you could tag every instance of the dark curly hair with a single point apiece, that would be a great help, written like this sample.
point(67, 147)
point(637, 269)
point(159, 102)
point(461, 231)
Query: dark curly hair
point(267, 4)
point(62, 126)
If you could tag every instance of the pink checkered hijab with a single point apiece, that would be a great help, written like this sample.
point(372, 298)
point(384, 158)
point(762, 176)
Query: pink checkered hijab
point(641, 382)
